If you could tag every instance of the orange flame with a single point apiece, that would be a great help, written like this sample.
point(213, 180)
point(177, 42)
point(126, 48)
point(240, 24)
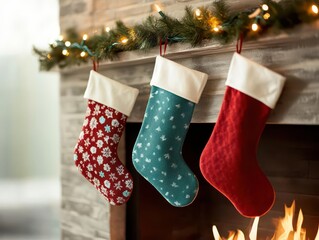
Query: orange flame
point(284, 228)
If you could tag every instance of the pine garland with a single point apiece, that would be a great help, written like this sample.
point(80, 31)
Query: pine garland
point(215, 22)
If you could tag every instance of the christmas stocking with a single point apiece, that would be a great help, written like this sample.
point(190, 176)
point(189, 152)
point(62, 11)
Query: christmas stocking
point(157, 153)
point(95, 154)
point(228, 161)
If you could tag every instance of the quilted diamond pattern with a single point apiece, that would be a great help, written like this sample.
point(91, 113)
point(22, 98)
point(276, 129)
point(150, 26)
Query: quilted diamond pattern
point(228, 161)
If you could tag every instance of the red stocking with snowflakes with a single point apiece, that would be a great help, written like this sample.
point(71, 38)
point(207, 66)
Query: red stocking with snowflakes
point(95, 154)
point(228, 161)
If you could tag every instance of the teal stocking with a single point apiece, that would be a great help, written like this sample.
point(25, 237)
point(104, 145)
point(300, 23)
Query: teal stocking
point(157, 153)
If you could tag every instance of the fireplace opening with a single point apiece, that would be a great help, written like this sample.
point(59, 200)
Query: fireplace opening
point(288, 155)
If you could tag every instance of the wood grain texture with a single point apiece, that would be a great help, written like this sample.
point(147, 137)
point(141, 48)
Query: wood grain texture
point(294, 56)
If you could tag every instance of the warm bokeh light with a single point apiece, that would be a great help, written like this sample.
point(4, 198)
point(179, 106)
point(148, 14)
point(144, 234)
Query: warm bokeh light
point(67, 43)
point(314, 9)
point(214, 23)
point(65, 52)
point(255, 13)
point(198, 12)
point(83, 54)
point(266, 16)
point(265, 7)
point(60, 38)
point(107, 29)
point(254, 27)
point(156, 7)
point(85, 37)
point(124, 40)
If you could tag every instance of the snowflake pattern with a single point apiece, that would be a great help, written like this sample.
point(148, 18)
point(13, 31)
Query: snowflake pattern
point(157, 151)
point(95, 153)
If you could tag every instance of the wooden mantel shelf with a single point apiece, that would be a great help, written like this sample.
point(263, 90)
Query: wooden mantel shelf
point(293, 54)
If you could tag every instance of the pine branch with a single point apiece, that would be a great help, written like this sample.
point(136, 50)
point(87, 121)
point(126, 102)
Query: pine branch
point(213, 23)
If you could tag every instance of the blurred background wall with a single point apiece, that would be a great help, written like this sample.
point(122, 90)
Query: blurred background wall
point(29, 122)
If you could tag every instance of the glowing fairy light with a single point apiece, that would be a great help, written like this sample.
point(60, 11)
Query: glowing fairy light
point(314, 9)
point(60, 38)
point(198, 12)
point(266, 16)
point(159, 10)
point(107, 29)
point(124, 40)
point(83, 54)
point(214, 23)
point(265, 7)
point(65, 52)
point(254, 27)
point(255, 13)
point(85, 37)
point(67, 43)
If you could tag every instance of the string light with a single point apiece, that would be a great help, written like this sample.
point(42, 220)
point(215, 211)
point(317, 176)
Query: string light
point(265, 7)
point(254, 27)
point(159, 10)
point(259, 18)
point(67, 43)
point(198, 12)
point(124, 40)
point(255, 13)
point(83, 54)
point(266, 16)
point(65, 52)
point(214, 23)
point(314, 9)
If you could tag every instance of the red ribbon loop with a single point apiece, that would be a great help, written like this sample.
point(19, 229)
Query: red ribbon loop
point(95, 65)
point(239, 44)
point(165, 46)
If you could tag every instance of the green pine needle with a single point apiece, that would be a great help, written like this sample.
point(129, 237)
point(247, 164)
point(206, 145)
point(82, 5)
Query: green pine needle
point(213, 23)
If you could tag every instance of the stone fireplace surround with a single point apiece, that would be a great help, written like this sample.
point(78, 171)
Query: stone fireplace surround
point(86, 215)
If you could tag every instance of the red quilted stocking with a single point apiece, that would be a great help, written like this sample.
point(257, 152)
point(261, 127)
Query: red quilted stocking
point(228, 161)
point(95, 154)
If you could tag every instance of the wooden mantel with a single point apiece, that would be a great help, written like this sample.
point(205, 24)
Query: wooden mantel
point(293, 54)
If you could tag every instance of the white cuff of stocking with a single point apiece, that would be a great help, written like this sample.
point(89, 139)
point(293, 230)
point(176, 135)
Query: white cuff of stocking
point(111, 93)
point(175, 78)
point(255, 80)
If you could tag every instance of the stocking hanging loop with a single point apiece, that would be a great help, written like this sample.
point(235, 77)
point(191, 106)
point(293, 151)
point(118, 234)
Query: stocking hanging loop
point(95, 65)
point(162, 53)
point(239, 44)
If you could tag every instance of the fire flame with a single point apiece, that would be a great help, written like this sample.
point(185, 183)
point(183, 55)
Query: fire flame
point(284, 228)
